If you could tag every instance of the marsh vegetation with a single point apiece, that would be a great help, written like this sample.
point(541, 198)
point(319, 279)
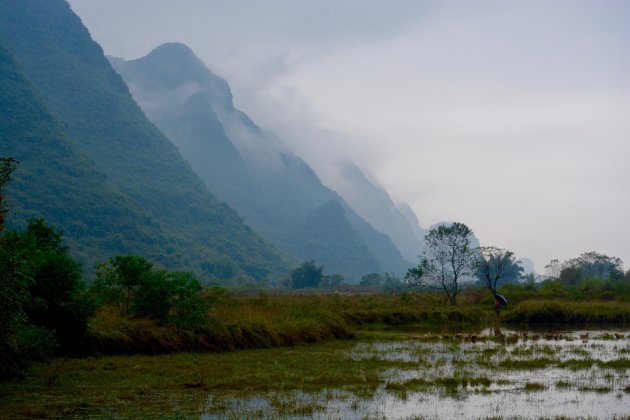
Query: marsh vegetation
point(471, 373)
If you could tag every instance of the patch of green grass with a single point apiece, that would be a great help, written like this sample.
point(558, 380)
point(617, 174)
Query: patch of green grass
point(562, 384)
point(534, 386)
point(450, 384)
point(538, 363)
point(615, 364)
point(145, 386)
point(576, 364)
point(560, 312)
point(595, 388)
point(579, 351)
point(522, 351)
point(547, 349)
point(292, 406)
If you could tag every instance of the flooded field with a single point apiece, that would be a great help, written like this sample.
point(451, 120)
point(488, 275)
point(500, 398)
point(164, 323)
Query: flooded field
point(570, 374)
point(384, 374)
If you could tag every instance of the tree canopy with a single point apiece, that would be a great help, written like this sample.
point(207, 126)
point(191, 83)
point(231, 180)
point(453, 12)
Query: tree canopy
point(447, 257)
point(493, 265)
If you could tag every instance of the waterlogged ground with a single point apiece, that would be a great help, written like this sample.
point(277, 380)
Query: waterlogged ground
point(487, 374)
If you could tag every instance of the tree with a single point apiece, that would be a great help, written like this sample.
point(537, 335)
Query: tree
point(119, 281)
point(58, 299)
point(447, 257)
point(595, 265)
point(332, 281)
point(14, 297)
point(308, 275)
point(494, 264)
point(570, 276)
point(372, 279)
point(7, 166)
point(131, 283)
point(393, 284)
point(188, 309)
point(552, 270)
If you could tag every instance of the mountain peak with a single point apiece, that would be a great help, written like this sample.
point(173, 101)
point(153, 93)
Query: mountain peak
point(174, 65)
point(173, 50)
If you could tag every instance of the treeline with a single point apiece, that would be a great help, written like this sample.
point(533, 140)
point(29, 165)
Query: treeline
point(310, 276)
point(134, 307)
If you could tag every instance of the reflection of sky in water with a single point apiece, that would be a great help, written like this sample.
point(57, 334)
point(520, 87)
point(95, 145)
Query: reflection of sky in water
point(442, 359)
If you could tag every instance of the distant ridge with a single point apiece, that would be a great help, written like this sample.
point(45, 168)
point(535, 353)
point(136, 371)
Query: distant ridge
point(274, 190)
point(375, 205)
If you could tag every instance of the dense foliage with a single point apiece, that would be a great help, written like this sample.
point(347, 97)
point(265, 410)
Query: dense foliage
point(307, 275)
point(132, 285)
point(44, 301)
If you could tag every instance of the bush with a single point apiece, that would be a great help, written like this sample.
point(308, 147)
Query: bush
point(131, 284)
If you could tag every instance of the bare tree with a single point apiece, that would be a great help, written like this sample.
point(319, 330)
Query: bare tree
point(447, 257)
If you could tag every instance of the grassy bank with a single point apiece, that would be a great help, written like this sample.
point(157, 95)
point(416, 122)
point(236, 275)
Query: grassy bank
point(234, 323)
point(563, 312)
point(245, 322)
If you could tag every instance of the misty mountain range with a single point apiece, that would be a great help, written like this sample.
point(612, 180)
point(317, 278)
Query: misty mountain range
point(276, 192)
point(153, 179)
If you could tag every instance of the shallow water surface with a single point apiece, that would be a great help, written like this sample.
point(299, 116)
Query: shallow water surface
point(490, 374)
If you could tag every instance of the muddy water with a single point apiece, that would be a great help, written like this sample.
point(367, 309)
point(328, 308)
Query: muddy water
point(491, 374)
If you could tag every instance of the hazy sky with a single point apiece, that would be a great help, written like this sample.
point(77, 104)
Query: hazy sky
point(510, 116)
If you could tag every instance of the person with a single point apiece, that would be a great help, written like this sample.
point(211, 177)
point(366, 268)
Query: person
point(497, 305)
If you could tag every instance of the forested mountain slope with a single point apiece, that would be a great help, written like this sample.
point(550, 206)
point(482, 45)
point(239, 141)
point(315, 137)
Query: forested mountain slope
point(181, 221)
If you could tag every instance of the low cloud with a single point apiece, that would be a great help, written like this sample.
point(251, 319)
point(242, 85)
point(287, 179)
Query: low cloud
point(508, 116)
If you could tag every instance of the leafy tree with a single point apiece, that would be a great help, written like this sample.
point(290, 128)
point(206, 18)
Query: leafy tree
point(14, 297)
point(372, 279)
point(131, 283)
point(58, 299)
point(7, 166)
point(14, 283)
point(553, 269)
point(119, 281)
point(188, 309)
point(493, 265)
point(332, 281)
point(308, 275)
point(570, 276)
point(393, 284)
point(447, 257)
point(596, 265)
point(151, 296)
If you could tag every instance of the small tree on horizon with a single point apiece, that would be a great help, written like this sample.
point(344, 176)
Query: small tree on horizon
point(447, 258)
point(307, 275)
point(494, 264)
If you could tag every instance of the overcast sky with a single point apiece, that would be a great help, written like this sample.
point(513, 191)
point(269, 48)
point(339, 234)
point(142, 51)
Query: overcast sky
point(512, 117)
